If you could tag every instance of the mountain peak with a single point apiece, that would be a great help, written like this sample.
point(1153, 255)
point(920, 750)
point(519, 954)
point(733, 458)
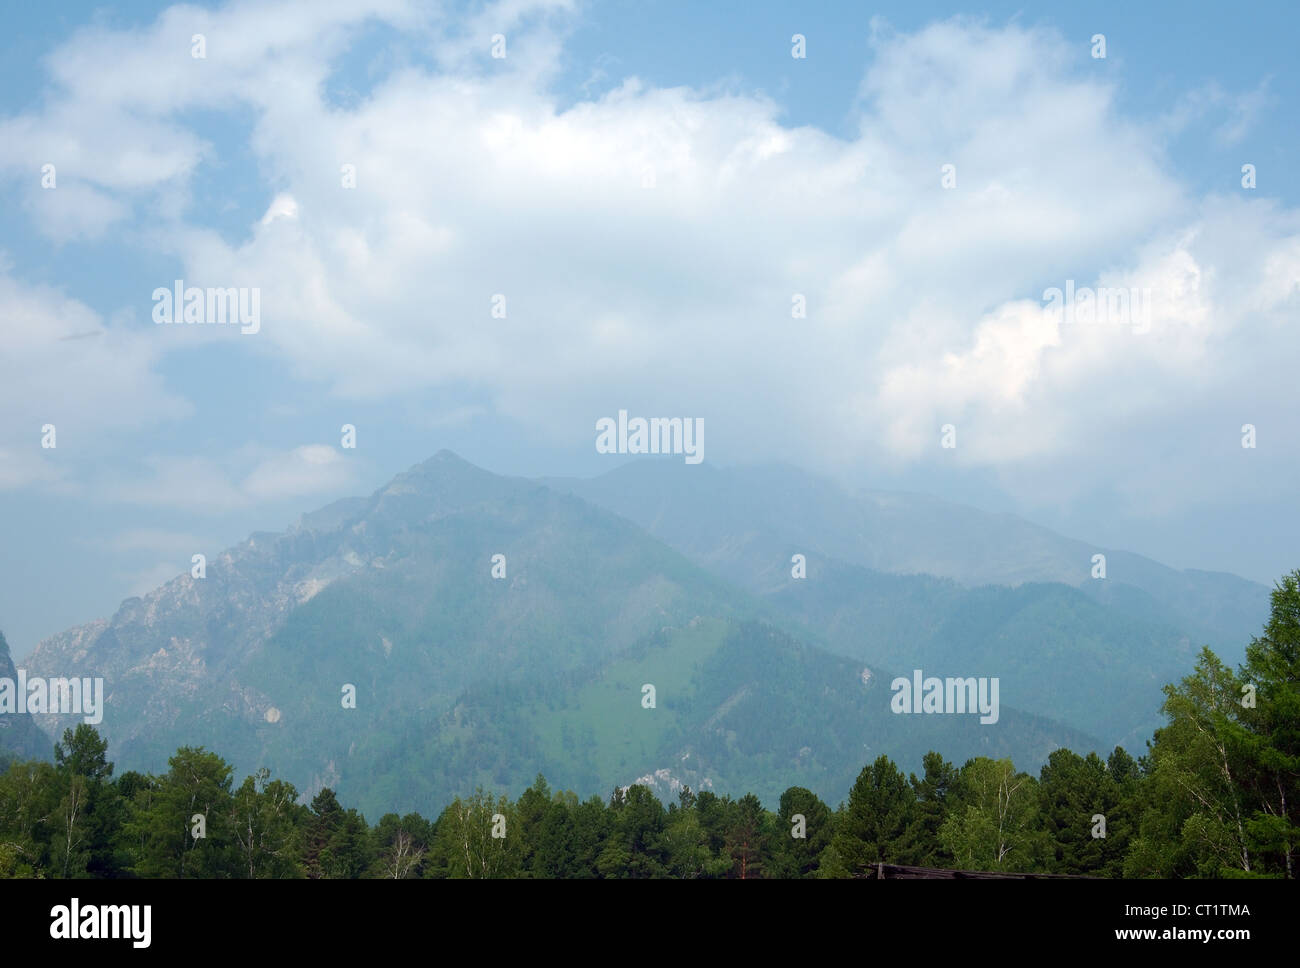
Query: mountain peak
point(443, 462)
point(442, 484)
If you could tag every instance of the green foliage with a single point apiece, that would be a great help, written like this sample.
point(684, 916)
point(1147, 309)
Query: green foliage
point(933, 791)
point(874, 827)
point(1077, 796)
point(473, 839)
point(266, 826)
point(1224, 774)
point(687, 845)
point(800, 856)
point(993, 824)
point(1214, 796)
point(192, 797)
point(338, 844)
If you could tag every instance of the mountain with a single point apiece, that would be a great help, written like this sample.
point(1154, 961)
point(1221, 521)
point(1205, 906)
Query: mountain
point(1057, 652)
point(392, 595)
point(463, 678)
point(20, 737)
point(739, 705)
point(744, 523)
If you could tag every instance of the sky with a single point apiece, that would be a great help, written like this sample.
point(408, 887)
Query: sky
point(485, 226)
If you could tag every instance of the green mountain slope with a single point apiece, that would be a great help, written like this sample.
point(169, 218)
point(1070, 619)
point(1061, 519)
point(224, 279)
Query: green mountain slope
point(743, 524)
point(461, 678)
point(1057, 652)
point(739, 705)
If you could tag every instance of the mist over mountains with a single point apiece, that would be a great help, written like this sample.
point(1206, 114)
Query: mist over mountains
point(738, 522)
point(467, 669)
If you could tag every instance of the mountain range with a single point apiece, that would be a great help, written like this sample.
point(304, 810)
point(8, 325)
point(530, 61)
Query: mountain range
point(459, 628)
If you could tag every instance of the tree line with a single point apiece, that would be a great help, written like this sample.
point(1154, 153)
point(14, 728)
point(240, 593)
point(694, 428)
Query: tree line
point(1214, 796)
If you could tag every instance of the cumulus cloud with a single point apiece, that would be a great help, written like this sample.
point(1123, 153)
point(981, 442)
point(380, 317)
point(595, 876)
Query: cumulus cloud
point(63, 365)
point(649, 244)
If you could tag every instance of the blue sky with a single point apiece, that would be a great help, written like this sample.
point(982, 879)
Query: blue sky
point(526, 176)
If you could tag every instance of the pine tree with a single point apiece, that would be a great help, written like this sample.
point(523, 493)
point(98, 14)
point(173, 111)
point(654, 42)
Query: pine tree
point(874, 826)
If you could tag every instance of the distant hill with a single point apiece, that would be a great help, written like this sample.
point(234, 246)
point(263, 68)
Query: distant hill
point(743, 524)
point(1058, 652)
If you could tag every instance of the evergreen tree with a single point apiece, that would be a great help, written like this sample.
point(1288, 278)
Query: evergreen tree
point(932, 792)
point(591, 825)
point(800, 856)
point(685, 843)
point(749, 837)
point(633, 848)
point(555, 853)
point(875, 824)
point(532, 807)
point(1080, 806)
point(338, 843)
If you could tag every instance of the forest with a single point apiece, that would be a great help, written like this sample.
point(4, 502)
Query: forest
point(1213, 796)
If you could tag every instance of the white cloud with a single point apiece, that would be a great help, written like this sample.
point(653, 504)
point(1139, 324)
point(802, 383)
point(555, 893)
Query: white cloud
point(210, 486)
point(282, 206)
point(924, 304)
point(141, 583)
point(314, 469)
point(156, 541)
point(27, 467)
point(1239, 113)
point(64, 365)
point(73, 211)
